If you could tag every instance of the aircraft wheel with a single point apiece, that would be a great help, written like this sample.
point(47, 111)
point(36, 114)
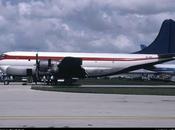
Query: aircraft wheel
point(6, 82)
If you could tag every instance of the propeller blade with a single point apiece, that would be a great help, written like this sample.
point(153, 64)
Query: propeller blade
point(37, 66)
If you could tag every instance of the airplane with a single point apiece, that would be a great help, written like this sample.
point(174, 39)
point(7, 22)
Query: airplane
point(70, 66)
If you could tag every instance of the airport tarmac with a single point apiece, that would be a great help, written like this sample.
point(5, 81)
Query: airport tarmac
point(23, 107)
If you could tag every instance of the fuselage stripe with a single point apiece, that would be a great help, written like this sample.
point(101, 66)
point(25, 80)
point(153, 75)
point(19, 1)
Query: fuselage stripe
point(60, 58)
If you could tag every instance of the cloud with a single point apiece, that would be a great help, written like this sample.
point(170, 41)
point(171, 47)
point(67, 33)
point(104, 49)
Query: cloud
point(81, 25)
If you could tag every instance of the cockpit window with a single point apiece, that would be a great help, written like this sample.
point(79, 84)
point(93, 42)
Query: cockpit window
point(2, 56)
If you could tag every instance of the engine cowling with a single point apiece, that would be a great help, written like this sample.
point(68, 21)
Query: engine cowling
point(48, 66)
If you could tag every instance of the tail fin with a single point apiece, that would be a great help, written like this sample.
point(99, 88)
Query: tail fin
point(164, 42)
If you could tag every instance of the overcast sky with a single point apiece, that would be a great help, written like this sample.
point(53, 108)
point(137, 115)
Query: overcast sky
point(113, 26)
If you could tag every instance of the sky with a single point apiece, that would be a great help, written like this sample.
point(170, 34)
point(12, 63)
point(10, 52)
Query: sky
point(104, 26)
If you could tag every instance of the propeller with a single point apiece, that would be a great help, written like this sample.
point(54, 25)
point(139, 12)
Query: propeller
point(49, 66)
point(49, 63)
point(37, 67)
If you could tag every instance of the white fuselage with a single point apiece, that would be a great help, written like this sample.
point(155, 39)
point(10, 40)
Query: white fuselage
point(95, 64)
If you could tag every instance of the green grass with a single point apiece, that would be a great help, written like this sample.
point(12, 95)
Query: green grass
point(151, 90)
point(121, 81)
point(113, 90)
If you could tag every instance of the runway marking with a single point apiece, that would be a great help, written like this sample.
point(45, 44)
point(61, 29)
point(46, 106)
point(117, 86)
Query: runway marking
point(87, 117)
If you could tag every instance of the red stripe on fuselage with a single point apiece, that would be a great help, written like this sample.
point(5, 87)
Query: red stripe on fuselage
point(60, 58)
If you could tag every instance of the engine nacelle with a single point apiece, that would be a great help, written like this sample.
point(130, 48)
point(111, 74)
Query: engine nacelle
point(43, 65)
point(48, 66)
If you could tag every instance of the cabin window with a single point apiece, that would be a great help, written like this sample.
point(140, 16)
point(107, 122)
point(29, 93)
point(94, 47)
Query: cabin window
point(28, 59)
